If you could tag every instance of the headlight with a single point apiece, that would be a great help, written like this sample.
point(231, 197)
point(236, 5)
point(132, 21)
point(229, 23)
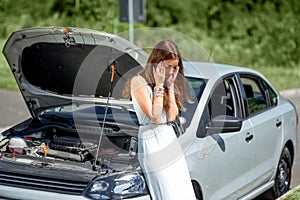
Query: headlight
point(125, 185)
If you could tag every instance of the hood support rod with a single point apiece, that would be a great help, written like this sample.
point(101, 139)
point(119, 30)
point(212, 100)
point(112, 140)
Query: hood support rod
point(112, 69)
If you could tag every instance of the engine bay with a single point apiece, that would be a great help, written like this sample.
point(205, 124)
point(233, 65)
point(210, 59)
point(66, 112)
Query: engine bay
point(54, 146)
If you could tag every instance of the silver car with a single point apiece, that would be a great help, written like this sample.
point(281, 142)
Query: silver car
point(240, 135)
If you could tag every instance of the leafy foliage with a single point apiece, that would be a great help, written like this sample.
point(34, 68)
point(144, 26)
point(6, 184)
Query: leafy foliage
point(262, 34)
point(251, 32)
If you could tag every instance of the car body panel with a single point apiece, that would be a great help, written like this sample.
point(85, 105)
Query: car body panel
point(267, 134)
point(290, 125)
point(215, 150)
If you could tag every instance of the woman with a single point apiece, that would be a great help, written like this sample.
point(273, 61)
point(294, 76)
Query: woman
point(157, 94)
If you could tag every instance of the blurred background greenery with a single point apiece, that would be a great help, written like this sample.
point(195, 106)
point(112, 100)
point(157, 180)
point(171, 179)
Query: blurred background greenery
point(260, 34)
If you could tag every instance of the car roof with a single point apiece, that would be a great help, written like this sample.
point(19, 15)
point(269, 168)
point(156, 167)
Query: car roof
point(208, 70)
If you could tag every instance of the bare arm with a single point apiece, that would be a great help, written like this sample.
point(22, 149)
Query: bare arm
point(172, 112)
point(152, 109)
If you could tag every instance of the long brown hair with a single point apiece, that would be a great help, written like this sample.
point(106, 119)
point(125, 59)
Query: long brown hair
point(164, 50)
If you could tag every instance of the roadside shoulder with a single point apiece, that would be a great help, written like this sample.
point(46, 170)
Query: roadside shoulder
point(290, 92)
point(284, 197)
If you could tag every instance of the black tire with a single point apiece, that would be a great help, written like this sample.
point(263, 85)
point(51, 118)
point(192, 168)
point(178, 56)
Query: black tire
point(197, 190)
point(283, 176)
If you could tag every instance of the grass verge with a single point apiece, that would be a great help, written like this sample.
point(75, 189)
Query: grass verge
point(7, 80)
point(294, 194)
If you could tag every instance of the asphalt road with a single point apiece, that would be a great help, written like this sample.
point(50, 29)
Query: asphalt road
point(13, 110)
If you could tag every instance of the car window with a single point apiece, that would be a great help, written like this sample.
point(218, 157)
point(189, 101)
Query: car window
point(196, 87)
point(223, 101)
point(255, 96)
point(272, 96)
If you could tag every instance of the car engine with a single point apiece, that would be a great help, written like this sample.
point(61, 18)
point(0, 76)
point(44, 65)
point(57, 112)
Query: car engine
point(58, 143)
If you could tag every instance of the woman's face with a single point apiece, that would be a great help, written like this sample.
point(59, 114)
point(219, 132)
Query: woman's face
point(170, 66)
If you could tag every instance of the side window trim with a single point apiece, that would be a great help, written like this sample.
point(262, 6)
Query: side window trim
point(242, 93)
point(267, 89)
point(239, 96)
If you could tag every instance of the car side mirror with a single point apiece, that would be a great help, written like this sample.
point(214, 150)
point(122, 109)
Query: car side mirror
point(224, 124)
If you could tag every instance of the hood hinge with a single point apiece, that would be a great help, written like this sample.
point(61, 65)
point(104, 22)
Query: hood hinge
point(69, 40)
point(32, 104)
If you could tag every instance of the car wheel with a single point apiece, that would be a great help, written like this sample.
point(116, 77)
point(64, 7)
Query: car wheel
point(283, 176)
point(197, 190)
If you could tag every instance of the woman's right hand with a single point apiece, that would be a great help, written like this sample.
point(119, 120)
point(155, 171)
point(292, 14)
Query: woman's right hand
point(159, 74)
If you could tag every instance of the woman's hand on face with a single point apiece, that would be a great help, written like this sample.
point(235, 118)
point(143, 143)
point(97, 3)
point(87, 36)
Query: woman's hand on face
point(159, 74)
point(171, 79)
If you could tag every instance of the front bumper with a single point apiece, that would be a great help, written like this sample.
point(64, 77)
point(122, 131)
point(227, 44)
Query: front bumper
point(27, 194)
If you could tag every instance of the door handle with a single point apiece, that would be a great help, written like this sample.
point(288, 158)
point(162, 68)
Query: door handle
point(278, 123)
point(249, 137)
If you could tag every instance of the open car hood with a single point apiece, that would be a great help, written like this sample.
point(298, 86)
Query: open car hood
point(54, 66)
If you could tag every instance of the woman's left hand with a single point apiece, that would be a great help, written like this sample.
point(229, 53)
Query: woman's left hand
point(171, 79)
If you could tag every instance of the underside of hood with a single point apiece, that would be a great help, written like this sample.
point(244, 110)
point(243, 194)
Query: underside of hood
point(54, 65)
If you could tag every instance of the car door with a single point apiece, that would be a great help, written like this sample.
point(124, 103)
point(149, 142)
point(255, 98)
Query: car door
point(266, 119)
point(224, 160)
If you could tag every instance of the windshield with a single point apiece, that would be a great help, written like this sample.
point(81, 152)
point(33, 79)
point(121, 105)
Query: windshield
point(119, 112)
point(197, 86)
